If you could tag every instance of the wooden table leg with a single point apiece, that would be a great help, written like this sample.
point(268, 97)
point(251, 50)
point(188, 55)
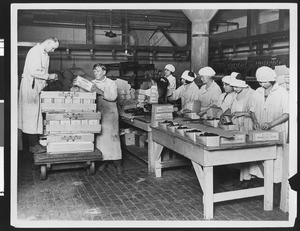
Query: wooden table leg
point(268, 184)
point(208, 196)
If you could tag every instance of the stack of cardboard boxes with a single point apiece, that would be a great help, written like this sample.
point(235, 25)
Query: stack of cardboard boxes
point(70, 121)
point(161, 112)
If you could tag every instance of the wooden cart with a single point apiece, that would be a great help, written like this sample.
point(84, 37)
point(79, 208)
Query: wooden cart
point(66, 161)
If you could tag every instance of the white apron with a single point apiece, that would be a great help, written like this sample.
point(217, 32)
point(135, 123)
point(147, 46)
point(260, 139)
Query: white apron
point(108, 141)
point(29, 108)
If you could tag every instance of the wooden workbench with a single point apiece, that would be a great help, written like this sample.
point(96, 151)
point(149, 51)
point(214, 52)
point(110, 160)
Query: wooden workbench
point(144, 123)
point(205, 158)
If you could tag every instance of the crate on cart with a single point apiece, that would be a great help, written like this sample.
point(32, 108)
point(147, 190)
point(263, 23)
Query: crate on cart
point(72, 122)
point(67, 101)
point(65, 143)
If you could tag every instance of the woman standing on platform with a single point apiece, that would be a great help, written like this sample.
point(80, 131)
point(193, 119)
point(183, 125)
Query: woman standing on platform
point(108, 142)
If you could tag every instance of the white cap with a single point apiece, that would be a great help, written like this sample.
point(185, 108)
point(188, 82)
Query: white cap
point(170, 67)
point(265, 74)
point(238, 83)
point(188, 75)
point(207, 71)
point(227, 79)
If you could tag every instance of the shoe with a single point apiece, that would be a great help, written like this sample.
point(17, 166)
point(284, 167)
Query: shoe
point(37, 149)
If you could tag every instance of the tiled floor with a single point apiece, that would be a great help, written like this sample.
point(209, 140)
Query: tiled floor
point(74, 195)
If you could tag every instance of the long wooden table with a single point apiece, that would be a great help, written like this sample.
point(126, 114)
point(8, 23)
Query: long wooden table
point(144, 123)
point(205, 158)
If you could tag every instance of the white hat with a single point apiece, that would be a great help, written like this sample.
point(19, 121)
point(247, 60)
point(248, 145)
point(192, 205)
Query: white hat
point(188, 75)
point(265, 74)
point(170, 67)
point(227, 79)
point(207, 71)
point(238, 83)
point(234, 74)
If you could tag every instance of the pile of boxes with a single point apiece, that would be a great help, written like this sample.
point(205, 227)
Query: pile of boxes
point(161, 112)
point(70, 121)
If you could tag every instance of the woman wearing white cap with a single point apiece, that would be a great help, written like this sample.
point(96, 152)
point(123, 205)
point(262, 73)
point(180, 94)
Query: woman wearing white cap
point(169, 70)
point(240, 108)
point(226, 98)
point(210, 92)
point(188, 91)
point(270, 111)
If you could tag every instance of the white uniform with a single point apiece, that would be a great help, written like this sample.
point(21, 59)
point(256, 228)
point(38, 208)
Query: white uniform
point(35, 70)
point(188, 93)
point(275, 105)
point(209, 96)
point(225, 100)
point(108, 141)
point(172, 85)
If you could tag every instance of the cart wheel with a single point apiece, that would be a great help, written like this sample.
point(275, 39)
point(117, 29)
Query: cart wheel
point(91, 169)
point(43, 172)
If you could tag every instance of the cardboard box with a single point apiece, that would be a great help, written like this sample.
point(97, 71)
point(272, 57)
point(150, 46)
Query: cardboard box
point(128, 139)
point(260, 135)
point(191, 115)
point(84, 83)
point(78, 137)
point(69, 147)
point(192, 135)
point(162, 108)
point(209, 141)
point(140, 140)
point(214, 123)
point(181, 131)
point(231, 127)
point(239, 138)
point(163, 125)
point(162, 116)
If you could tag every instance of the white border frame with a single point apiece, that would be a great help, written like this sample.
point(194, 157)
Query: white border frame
point(293, 115)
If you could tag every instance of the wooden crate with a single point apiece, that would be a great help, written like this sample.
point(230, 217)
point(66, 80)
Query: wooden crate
point(230, 127)
point(270, 135)
point(57, 138)
point(61, 101)
point(69, 147)
point(159, 108)
point(210, 141)
point(72, 128)
point(52, 116)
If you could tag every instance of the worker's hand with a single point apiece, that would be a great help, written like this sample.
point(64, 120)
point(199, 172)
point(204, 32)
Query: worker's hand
point(53, 76)
point(97, 90)
point(256, 126)
point(237, 114)
point(75, 82)
point(266, 126)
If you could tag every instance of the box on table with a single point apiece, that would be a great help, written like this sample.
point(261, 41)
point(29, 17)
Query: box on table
point(172, 128)
point(214, 123)
point(192, 134)
point(239, 138)
point(191, 115)
point(230, 127)
point(181, 130)
point(260, 135)
point(162, 108)
point(209, 141)
point(61, 101)
point(83, 83)
point(67, 137)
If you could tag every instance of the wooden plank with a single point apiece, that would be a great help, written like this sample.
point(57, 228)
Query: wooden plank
point(74, 115)
point(223, 157)
point(284, 195)
point(171, 163)
point(200, 175)
point(45, 158)
point(68, 94)
point(68, 137)
point(208, 199)
point(268, 184)
point(157, 150)
point(238, 194)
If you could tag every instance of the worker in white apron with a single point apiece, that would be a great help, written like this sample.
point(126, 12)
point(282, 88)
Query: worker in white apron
point(187, 92)
point(209, 92)
point(108, 141)
point(271, 111)
point(240, 115)
point(169, 70)
point(35, 74)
